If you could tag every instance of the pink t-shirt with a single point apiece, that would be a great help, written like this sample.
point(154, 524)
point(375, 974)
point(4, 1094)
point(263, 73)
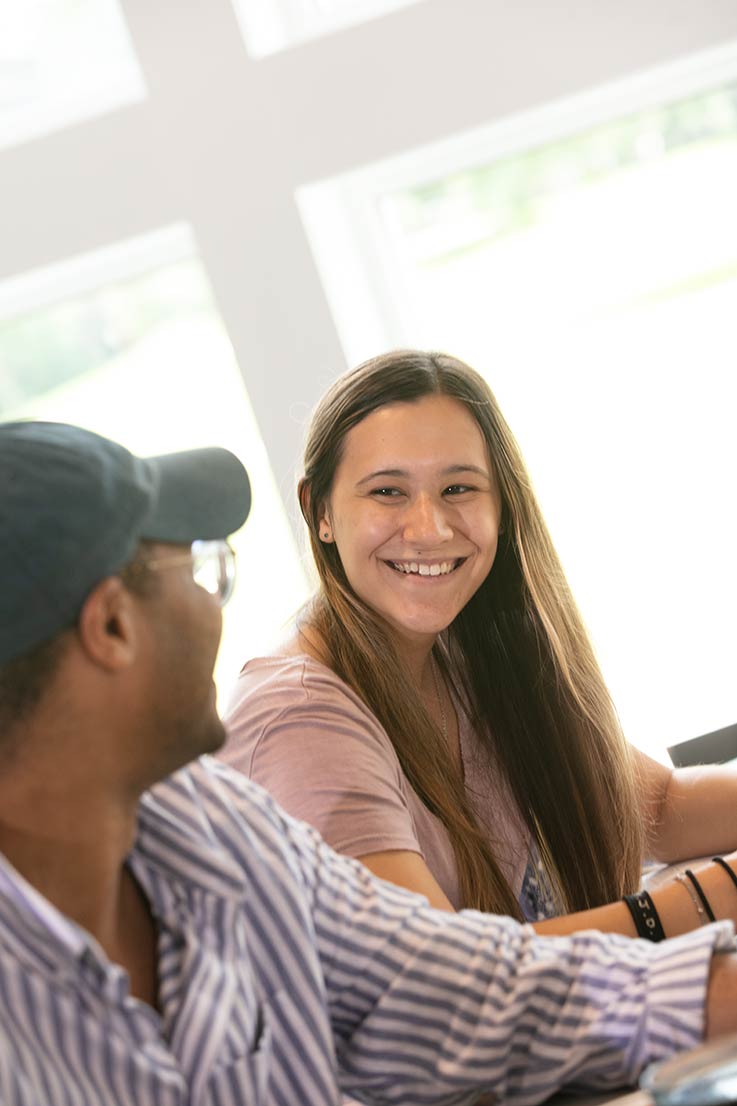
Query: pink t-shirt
point(295, 728)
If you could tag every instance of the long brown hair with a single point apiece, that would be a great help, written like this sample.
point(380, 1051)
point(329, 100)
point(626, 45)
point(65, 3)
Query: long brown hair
point(518, 653)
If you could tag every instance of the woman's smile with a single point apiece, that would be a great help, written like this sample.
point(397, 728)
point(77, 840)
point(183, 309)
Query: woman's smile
point(414, 512)
point(427, 569)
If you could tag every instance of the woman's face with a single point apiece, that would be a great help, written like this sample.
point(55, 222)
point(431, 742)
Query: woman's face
point(414, 511)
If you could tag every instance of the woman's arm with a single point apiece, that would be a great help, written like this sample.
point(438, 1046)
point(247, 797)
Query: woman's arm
point(324, 757)
point(674, 902)
point(688, 811)
point(407, 869)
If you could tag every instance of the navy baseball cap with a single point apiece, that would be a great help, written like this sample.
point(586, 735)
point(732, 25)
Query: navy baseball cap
point(74, 507)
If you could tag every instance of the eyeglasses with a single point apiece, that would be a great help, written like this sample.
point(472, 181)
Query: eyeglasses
point(213, 567)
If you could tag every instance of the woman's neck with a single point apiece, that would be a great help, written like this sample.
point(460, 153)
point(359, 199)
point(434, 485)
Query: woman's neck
point(416, 659)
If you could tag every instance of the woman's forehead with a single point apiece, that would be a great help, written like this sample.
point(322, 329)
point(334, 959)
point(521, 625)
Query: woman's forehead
point(436, 434)
point(436, 422)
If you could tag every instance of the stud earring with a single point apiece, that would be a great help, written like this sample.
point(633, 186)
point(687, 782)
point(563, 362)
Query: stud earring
point(325, 535)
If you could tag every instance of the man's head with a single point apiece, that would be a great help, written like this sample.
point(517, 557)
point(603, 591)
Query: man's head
point(84, 527)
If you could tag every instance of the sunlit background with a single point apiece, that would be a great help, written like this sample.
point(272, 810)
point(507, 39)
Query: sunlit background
point(139, 354)
point(594, 279)
point(209, 211)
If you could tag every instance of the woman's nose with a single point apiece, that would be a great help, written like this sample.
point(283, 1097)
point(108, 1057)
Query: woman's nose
point(426, 521)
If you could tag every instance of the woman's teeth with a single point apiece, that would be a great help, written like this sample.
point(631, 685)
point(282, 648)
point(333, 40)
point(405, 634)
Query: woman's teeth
point(418, 569)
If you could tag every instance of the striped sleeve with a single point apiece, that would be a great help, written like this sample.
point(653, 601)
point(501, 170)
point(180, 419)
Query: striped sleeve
point(429, 1007)
point(426, 1005)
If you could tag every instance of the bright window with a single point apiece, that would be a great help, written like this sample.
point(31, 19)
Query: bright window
point(585, 259)
point(271, 25)
point(62, 61)
point(129, 343)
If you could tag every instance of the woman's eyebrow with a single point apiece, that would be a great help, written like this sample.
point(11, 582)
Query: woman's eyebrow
point(382, 473)
point(451, 470)
point(455, 469)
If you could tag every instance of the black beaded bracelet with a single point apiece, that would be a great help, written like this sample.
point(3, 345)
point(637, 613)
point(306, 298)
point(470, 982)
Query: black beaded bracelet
point(645, 916)
point(698, 889)
point(721, 861)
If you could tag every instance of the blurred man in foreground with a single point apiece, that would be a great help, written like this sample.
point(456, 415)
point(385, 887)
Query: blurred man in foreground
point(167, 935)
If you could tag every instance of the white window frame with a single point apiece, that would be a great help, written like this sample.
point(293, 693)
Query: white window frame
point(86, 272)
point(269, 26)
point(364, 279)
point(71, 105)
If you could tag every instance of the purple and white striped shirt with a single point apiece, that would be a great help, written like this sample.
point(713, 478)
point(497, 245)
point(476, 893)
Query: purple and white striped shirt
point(289, 975)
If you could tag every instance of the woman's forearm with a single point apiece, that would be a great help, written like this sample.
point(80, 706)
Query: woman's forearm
point(675, 902)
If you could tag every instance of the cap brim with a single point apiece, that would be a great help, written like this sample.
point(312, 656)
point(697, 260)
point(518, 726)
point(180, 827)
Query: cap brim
point(202, 494)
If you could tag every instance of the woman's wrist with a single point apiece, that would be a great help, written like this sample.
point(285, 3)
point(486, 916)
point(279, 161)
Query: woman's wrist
point(708, 893)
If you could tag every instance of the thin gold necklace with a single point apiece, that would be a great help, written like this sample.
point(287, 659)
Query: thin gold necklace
point(441, 708)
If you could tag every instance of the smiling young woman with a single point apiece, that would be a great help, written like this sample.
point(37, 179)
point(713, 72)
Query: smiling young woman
point(439, 713)
point(414, 514)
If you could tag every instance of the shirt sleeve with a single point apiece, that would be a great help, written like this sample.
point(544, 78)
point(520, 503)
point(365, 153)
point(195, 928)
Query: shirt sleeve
point(427, 1006)
point(326, 760)
point(408, 1004)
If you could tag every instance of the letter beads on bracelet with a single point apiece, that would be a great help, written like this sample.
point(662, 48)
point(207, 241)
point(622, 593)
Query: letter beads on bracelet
point(645, 916)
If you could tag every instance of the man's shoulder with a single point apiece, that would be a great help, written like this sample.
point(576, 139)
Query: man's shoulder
point(212, 806)
point(207, 789)
point(207, 775)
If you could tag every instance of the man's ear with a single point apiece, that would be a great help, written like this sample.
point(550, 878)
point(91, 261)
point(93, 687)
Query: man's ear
point(108, 625)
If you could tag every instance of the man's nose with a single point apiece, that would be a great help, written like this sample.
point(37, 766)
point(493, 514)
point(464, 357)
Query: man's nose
point(426, 521)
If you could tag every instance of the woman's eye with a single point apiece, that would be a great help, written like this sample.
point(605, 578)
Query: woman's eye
point(457, 489)
point(386, 493)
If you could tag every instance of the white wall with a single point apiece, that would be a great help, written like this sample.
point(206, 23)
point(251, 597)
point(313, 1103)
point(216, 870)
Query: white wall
point(223, 141)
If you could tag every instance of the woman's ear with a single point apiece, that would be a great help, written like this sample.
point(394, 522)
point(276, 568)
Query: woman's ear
point(325, 527)
point(107, 625)
point(325, 530)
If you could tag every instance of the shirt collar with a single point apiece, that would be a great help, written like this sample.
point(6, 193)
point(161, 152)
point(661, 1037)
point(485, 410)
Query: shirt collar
point(174, 837)
point(30, 919)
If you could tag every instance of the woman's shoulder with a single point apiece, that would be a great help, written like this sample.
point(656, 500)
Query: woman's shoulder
point(296, 691)
point(291, 714)
point(295, 677)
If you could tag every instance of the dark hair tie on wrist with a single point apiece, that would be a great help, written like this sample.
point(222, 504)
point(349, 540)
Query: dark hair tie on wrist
point(645, 916)
point(699, 891)
point(723, 864)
